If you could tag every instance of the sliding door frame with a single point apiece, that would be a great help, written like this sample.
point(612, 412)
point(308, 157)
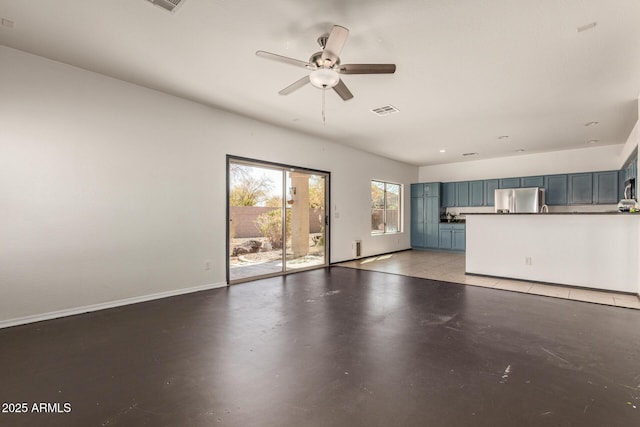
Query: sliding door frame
point(285, 168)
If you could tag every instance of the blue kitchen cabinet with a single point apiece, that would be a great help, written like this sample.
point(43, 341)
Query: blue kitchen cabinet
point(432, 220)
point(446, 237)
point(490, 187)
point(629, 172)
point(476, 193)
point(532, 181)
point(605, 187)
point(580, 188)
point(452, 237)
point(462, 193)
point(417, 190)
point(432, 189)
point(556, 189)
point(417, 220)
point(425, 215)
point(459, 239)
point(510, 183)
point(449, 194)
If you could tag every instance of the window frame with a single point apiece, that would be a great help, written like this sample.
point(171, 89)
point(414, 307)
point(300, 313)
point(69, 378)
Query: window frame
point(385, 209)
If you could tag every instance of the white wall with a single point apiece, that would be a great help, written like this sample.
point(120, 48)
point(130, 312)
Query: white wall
point(568, 161)
point(110, 191)
point(630, 145)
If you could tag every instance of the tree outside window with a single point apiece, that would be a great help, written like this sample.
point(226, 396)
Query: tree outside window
point(386, 209)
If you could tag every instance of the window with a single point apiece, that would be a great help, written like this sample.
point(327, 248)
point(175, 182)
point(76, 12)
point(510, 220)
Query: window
point(386, 212)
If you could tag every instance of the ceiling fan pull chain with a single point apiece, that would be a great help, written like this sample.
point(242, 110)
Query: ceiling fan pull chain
point(324, 120)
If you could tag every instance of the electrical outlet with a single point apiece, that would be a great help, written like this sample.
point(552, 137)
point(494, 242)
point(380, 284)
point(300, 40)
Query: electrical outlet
point(527, 261)
point(207, 265)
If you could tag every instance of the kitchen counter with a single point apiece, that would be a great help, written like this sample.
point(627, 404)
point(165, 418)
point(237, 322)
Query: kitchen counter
point(593, 250)
point(556, 213)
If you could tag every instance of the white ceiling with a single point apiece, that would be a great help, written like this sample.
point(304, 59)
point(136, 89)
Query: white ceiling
point(468, 71)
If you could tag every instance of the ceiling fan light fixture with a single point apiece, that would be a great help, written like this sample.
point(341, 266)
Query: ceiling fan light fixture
point(324, 78)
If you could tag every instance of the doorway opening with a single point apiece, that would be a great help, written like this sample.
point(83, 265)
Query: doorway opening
point(277, 219)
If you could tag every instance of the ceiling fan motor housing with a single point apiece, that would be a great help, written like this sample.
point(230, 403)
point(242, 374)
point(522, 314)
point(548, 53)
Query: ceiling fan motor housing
point(324, 78)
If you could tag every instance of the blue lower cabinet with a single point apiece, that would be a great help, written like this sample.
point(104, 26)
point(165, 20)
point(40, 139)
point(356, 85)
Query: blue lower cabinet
point(459, 240)
point(446, 239)
point(452, 237)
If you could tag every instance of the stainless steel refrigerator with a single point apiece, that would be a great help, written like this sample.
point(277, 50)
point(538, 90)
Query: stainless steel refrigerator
point(519, 200)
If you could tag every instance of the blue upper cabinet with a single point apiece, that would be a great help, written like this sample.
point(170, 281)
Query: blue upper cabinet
point(417, 190)
point(462, 193)
point(580, 188)
point(605, 187)
point(490, 187)
point(532, 181)
point(510, 183)
point(556, 189)
point(476, 193)
point(432, 189)
point(449, 194)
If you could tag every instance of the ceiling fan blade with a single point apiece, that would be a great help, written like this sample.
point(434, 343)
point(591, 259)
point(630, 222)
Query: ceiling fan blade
point(285, 59)
point(295, 86)
point(335, 43)
point(367, 69)
point(342, 90)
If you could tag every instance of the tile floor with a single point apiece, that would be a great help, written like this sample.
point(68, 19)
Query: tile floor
point(450, 267)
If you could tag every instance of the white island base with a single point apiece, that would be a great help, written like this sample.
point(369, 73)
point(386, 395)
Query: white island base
point(598, 251)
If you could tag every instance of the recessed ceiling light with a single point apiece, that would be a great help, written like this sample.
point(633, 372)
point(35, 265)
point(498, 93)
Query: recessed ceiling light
point(443, 151)
point(592, 141)
point(520, 150)
point(587, 27)
point(589, 124)
point(503, 137)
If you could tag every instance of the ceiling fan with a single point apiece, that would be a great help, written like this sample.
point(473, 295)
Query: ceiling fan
point(325, 65)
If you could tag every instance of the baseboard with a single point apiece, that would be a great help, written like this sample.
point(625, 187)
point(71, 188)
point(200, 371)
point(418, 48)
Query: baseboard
point(105, 305)
point(370, 256)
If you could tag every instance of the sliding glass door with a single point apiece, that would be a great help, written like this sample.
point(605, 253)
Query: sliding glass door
point(277, 219)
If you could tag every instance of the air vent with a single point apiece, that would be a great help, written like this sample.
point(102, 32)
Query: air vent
point(356, 247)
point(470, 154)
point(386, 110)
point(169, 5)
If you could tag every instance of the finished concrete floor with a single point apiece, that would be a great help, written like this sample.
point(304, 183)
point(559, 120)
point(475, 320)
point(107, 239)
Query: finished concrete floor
point(331, 347)
point(450, 267)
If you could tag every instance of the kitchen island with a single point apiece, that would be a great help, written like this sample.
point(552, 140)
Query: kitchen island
point(590, 250)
